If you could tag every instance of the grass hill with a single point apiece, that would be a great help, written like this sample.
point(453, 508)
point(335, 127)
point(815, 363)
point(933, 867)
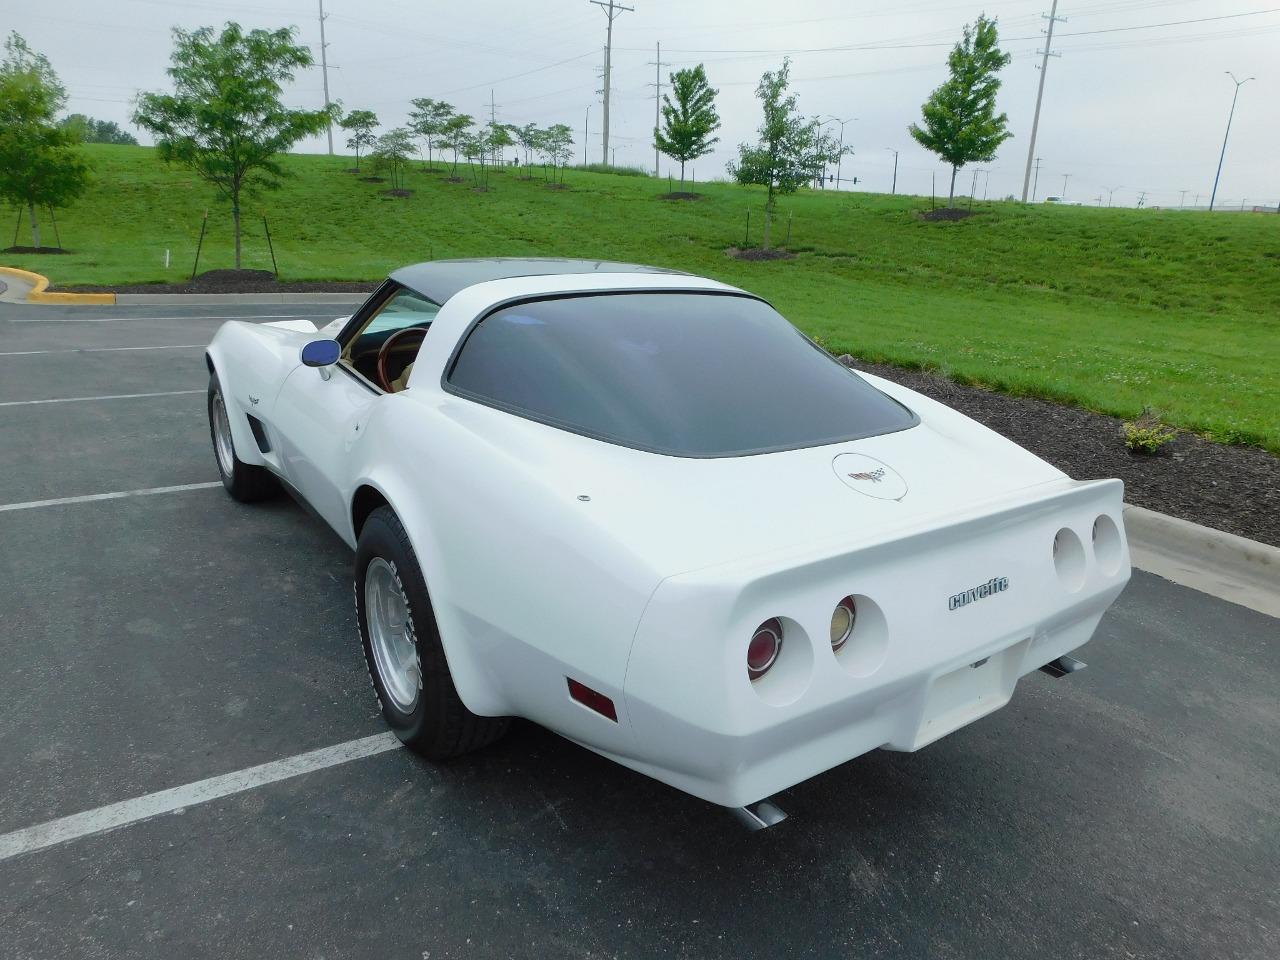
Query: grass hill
point(1115, 310)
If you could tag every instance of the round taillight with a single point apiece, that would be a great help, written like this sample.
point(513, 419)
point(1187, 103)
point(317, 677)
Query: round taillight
point(842, 620)
point(762, 651)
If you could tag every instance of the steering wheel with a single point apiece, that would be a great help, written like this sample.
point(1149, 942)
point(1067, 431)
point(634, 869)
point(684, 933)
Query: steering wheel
point(384, 381)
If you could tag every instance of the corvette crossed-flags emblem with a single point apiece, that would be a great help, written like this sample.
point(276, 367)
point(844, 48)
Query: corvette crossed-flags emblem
point(873, 475)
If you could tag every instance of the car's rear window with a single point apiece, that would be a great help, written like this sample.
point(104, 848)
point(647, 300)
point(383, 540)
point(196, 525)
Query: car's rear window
point(694, 375)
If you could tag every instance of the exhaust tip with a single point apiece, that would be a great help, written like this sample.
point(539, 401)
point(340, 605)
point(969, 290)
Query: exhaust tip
point(1062, 666)
point(759, 815)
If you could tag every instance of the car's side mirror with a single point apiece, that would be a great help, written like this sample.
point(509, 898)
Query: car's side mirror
point(321, 353)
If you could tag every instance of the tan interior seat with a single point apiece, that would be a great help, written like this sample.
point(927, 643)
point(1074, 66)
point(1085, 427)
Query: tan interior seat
point(402, 381)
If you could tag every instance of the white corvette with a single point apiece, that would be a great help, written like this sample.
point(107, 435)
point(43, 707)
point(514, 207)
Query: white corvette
point(641, 509)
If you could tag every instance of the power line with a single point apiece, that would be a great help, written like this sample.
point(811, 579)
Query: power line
point(1044, 69)
point(612, 11)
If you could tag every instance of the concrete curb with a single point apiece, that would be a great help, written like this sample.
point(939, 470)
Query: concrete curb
point(196, 299)
point(1221, 564)
point(38, 293)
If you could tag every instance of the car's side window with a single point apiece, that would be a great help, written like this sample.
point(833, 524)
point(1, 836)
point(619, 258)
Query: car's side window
point(400, 311)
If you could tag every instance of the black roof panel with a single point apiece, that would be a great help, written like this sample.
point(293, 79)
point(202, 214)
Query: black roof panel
point(439, 280)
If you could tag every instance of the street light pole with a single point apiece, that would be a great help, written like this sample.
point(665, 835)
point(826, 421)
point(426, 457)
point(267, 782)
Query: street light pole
point(840, 158)
point(586, 127)
point(1239, 83)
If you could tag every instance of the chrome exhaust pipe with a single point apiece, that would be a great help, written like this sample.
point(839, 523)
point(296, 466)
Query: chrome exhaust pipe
point(1062, 666)
point(759, 815)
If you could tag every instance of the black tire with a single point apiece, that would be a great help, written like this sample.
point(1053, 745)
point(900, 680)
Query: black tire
point(440, 726)
point(245, 482)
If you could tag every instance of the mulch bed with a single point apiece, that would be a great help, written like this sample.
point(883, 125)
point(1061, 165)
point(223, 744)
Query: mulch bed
point(680, 195)
point(947, 213)
point(396, 193)
point(373, 179)
point(755, 253)
point(54, 250)
point(230, 281)
point(1232, 488)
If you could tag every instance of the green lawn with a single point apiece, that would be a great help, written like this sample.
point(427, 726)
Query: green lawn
point(1110, 309)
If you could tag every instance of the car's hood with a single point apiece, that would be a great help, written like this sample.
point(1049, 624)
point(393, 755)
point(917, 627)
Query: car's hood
point(681, 514)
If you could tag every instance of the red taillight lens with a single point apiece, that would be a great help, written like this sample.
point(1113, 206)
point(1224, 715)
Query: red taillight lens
point(762, 651)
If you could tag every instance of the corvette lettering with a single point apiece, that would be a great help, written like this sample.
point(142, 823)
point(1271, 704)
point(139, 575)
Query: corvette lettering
point(980, 592)
point(875, 476)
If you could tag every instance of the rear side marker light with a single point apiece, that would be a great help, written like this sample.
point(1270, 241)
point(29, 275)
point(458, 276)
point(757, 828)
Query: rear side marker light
point(592, 699)
point(762, 651)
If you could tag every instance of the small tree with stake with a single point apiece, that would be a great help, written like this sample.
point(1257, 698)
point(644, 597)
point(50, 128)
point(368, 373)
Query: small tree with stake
point(360, 124)
point(455, 136)
point(689, 120)
point(960, 122)
point(791, 151)
point(41, 164)
point(427, 119)
point(557, 144)
point(394, 148)
point(527, 137)
point(224, 119)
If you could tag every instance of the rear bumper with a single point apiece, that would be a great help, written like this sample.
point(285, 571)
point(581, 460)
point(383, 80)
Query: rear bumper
point(916, 668)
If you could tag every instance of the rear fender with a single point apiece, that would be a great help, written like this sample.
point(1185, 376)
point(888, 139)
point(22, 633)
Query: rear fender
point(478, 689)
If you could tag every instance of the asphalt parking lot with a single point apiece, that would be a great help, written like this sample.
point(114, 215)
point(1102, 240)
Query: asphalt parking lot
point(156, 640)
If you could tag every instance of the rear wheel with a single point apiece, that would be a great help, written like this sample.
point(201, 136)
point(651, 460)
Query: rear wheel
point(244, 481)
point(403, 651)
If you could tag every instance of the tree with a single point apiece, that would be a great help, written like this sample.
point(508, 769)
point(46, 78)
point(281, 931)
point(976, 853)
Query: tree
point(225, 119)
point(557, 147)
point(689, 120)
point(960, 122)
point(455, 134)
point(394, 148)
point(428, 119)
point(360, 124)
point(791, 150)
point(41, 164)
point(89, 130)
point(528, 138)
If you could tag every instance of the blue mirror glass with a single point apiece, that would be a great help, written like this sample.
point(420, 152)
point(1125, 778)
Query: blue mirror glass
point(321, 353)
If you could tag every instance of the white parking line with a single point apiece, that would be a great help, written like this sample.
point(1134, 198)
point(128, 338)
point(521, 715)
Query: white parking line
point(176, 798)
point(253, 316)
point(32, 353)
point(117, 495)
point(112, 396)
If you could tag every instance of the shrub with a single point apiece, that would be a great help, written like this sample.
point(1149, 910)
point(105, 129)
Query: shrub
point(620, 171)
point(1147, 434)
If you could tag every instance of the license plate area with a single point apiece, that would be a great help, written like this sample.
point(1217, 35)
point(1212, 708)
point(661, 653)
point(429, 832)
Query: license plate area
point(962, 695)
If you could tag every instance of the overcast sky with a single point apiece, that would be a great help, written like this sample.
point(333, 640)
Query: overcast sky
point(1135, 109)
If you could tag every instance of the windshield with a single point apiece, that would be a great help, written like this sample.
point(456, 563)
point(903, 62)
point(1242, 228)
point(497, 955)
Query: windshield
point(694, 375)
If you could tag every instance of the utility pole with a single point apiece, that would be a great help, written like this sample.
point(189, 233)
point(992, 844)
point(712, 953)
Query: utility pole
point(1142, 198)
point(612, 10)
point(894, 189)
point(1065, 178)
point(657, 100)
point(1239, 83)
point(324, 74)
point(1182, 200)
point(1099, 199)
point(586, 127)
point(1111, 192)
point(1034, 184)
point(1035, 122)
point(493, 123)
